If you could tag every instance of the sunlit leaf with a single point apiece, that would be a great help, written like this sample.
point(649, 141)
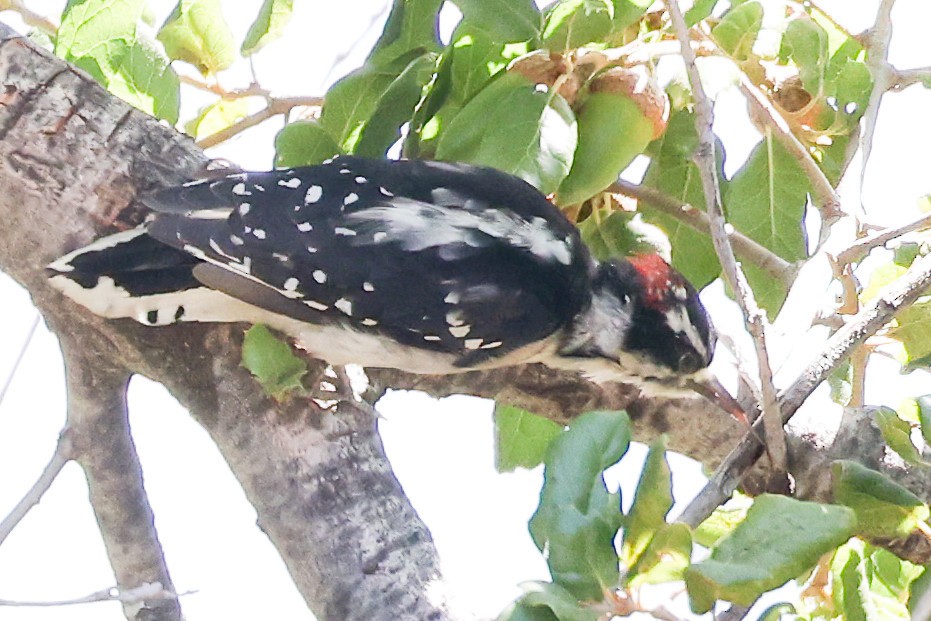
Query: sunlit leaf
point(272, 363)
point(544, 601)
point(896, 432)
point(503, 20)
point(573, 23)
point(619, 233)
point(409, 32)
point(268, 25)
point(666, 558)
point(652, 502)
point(521, 438)
point(738, 29)
point(217, 117)
point(196, 33)
point(883, 507)
point(303, 143)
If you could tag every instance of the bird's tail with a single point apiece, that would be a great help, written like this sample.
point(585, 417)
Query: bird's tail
point(132, 275)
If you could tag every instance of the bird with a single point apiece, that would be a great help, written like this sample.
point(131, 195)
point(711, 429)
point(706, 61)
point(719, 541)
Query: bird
point(423, 266)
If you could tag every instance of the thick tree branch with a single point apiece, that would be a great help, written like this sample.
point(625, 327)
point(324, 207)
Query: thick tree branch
point(99, 426)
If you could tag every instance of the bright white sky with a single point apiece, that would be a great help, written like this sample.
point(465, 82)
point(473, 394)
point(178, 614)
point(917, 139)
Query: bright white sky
point(441, 450)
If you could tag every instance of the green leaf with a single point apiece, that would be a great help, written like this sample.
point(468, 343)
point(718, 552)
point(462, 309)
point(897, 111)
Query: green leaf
point(766, 200)
point(871, 583)
point(136, 72)
point(738, 29)
point(806, 44)
point(897, 434)
point(303, 143)
point(395, 108)
point(626, 12)
point(512, 126)
point(573, 23)
point(350, 102)
point(883, 507)
point(268, 25)
point(924, 417)
point(699, 11)
point(578, 519)
point(216, 117)
point(779, 612)
point(779, 540)
point(609, 233)
point(196, 33)
point(546, 601)
point(652, 501)
point(409, 32)
point(503, 21)
point(723, 521)
point(666, 558)
point(521, 438)
point(913, 330)
point(841, 382)
point(672, 170)
point(272, 363)
point(88, 24)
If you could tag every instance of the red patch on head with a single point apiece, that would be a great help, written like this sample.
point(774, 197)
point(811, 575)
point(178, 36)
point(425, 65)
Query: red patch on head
point(657, 278)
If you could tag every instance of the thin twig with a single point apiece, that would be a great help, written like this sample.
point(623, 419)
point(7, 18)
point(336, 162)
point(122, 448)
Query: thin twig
point(274, 108)
point(858, 250)
point(898, 295)
point(19, 358)
point(877, 44)
point(253, 90)
point(63, 454)
point(37, 21)
point(734, 276)
point(748, 250)
point(906, 77)
point(145, 592)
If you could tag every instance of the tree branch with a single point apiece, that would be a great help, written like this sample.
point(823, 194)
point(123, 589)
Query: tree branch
point(733, 274)
point(274, 108)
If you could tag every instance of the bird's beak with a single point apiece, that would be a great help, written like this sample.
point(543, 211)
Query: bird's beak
point(712, 390)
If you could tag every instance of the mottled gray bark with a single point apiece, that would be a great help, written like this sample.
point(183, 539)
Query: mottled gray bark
point(72, 159)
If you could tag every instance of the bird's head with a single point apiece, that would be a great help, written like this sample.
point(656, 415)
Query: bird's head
point(646, 325)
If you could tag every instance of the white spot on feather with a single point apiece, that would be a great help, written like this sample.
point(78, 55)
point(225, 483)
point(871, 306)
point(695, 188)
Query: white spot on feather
point(341, 230)
point(292, 183)
point(460, 331)
point(473, 343)
point(316, 305)
point(367, 286)
point(319, 276)
point(291, 284)
point(351, 198)
point(304, 227)
point(344, 305)
point(313, 195)
point(240, 190)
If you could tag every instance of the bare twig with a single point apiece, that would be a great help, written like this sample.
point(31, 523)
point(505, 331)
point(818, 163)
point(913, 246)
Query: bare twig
point(150, 591)
point(900, 294)
point(746, 248)
point(37, 21)
point(253, 90)
point(274, 108)
point(734, 276)
point(19, 358)
point(62, 455)
point(884, 76)
point(858, 250)
point(906, 77)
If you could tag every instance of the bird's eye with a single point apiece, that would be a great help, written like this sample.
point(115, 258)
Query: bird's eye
point(690, 362)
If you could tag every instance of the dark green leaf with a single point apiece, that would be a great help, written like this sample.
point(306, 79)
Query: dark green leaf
point(666, 558)
point(883, 507)
point(573, 23)
point(409, 32)
point(303, 143)
point(272, 363)
point(268, 25)
point(766, 201)
point(652, 502)
point(578, 519)
point(737, 31)
point(780, 538)
point(547, 601)
point(521, 438)
point(503, 21)
point(196, 33)
point(897, 434)
point(609, 233)
point(350, 103)
point(395, 108)
point(512, 126)
point(672, 170)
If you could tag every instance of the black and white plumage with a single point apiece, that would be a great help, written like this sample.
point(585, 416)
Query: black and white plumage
point(427, 267)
